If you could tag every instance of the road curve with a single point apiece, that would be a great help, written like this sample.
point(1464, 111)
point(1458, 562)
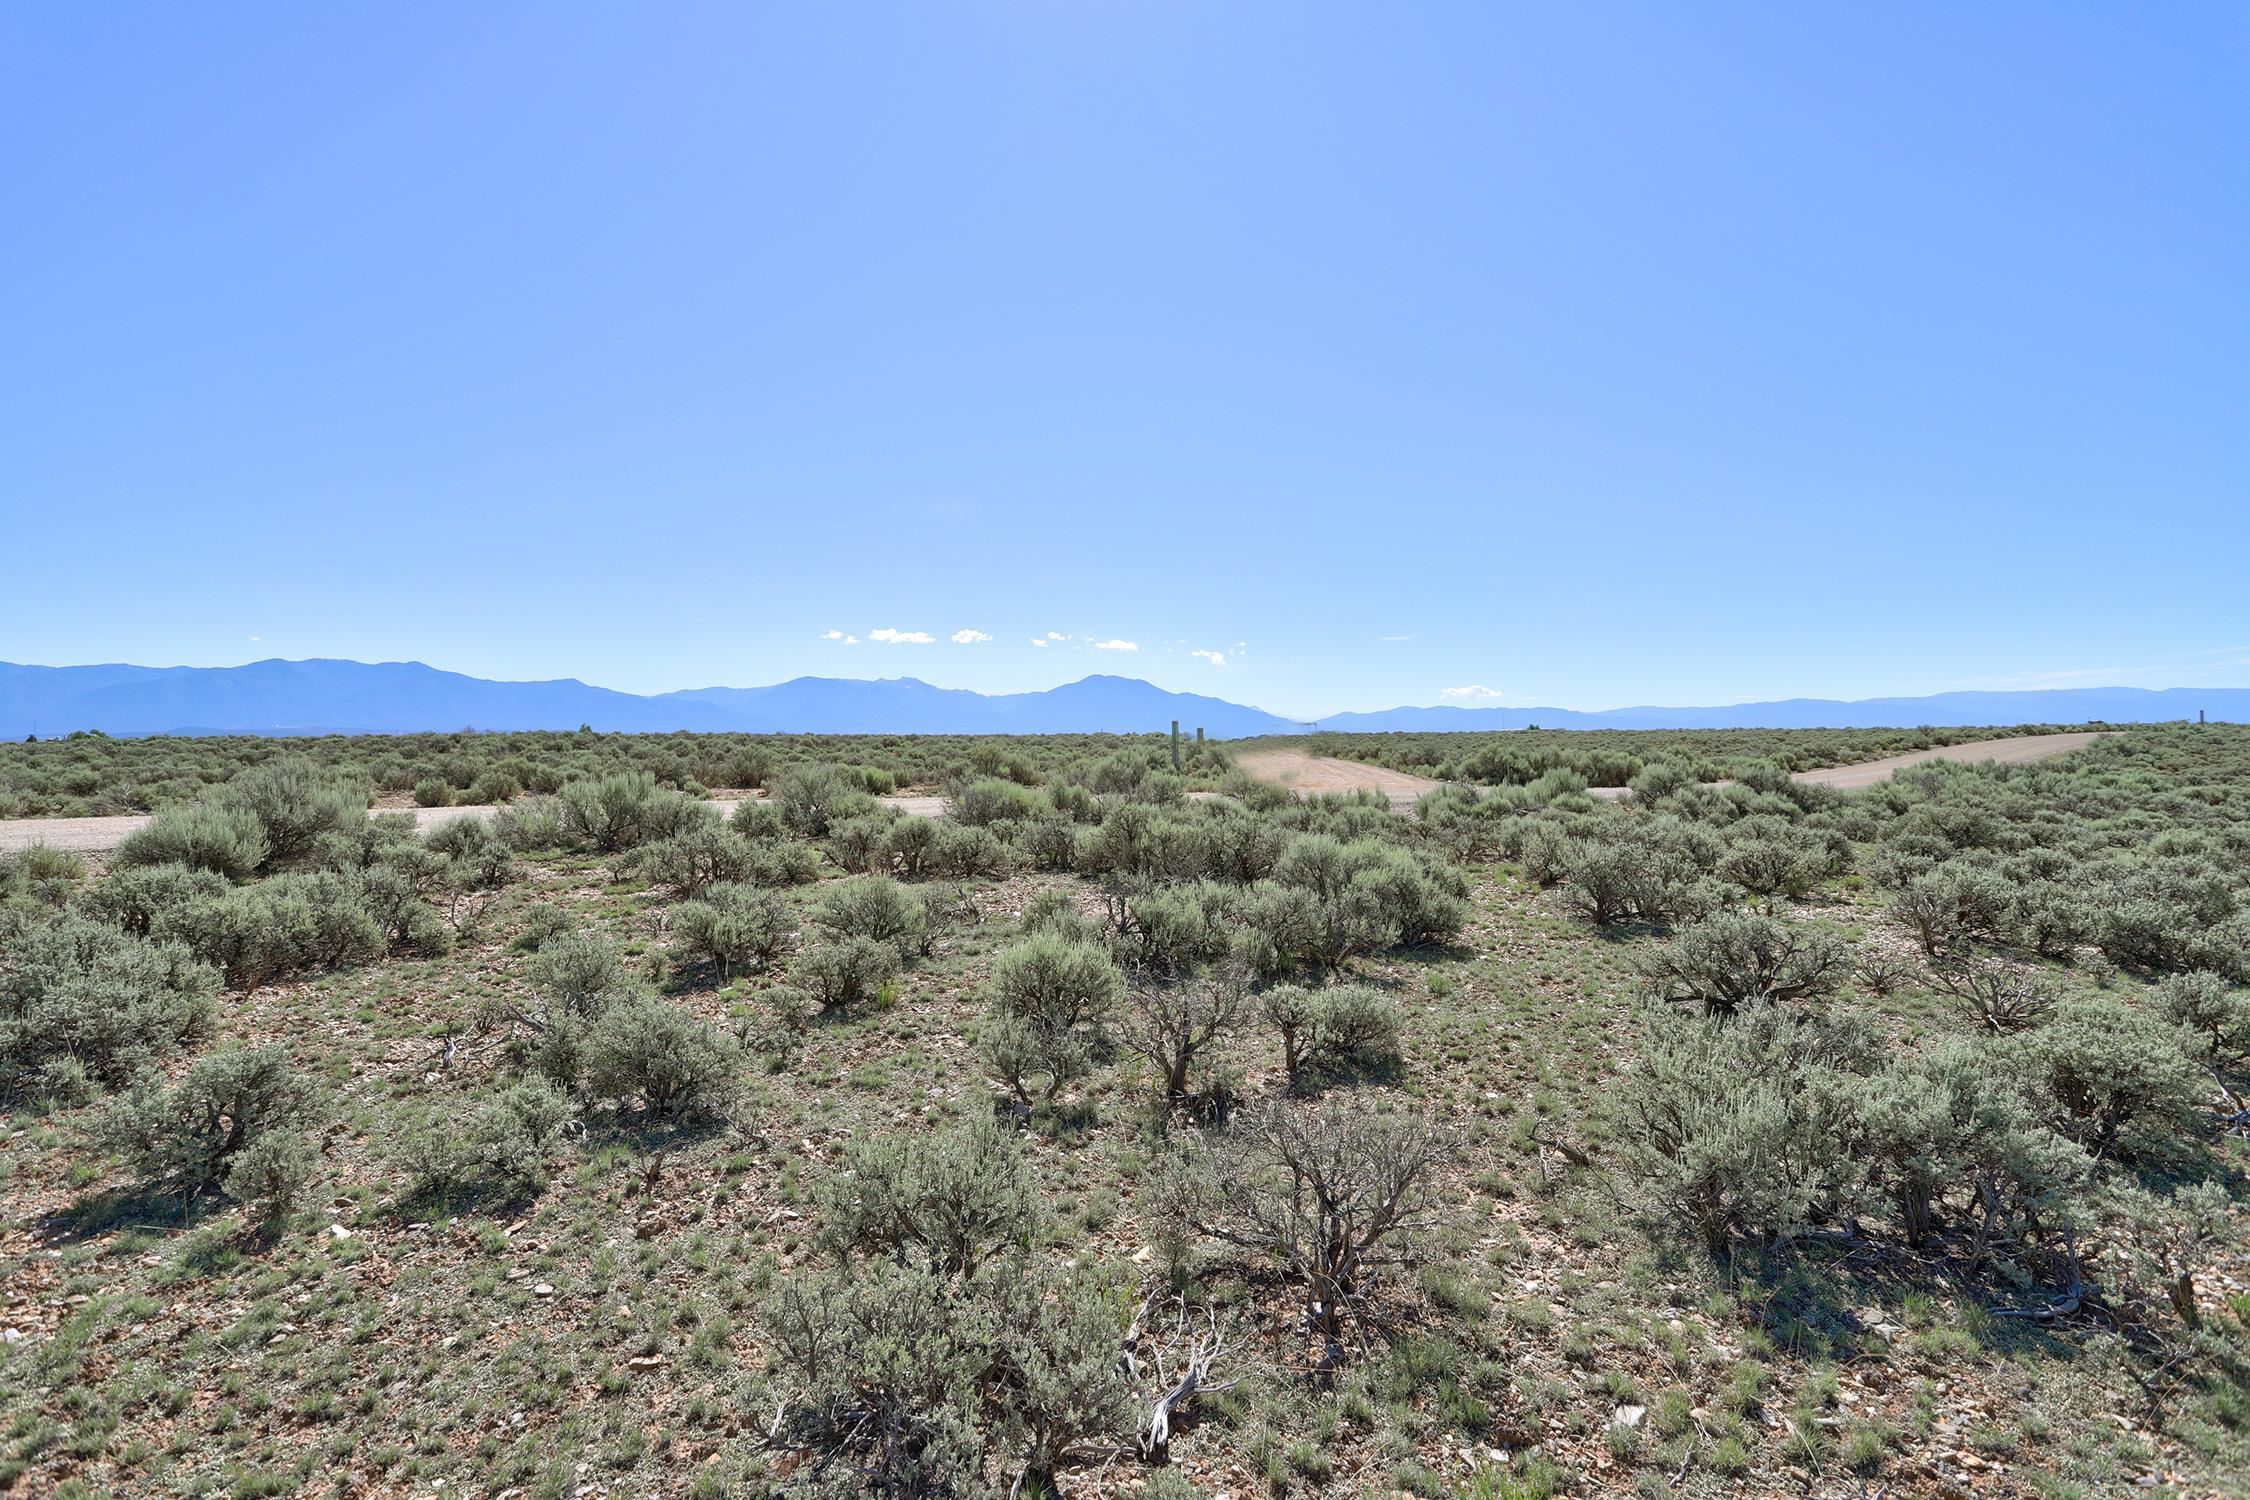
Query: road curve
point(2021, 750)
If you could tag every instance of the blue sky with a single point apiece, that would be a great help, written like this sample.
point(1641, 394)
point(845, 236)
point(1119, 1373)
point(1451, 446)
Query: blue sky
point(1581, 355)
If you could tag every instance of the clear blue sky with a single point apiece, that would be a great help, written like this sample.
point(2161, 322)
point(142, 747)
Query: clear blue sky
point(1583, 354)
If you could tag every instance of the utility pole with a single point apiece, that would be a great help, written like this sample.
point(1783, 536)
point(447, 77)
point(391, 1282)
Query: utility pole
point(1175, 744)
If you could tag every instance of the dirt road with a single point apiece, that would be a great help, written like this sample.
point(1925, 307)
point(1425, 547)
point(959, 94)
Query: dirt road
point(2019, 751)
point(1304, 773)
point(100, 835)
point(1308, 774)
point(2022, 750)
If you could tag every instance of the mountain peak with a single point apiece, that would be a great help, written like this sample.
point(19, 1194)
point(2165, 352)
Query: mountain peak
point(333, 696)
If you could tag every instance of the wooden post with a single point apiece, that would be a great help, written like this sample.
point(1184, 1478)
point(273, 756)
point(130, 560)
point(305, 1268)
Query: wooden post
point(1175, 744)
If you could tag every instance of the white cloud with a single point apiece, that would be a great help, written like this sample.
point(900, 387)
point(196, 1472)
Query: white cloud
point(832, 635)
point(969, 637)
point(1215, 658)
point(1037, 642)
point(1056, 635)
point(891, 637)
point(1117, 646)
point(1471, 694)
point(1394, 638)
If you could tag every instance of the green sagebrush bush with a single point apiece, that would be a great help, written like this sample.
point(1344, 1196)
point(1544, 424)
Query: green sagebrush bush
point(959, 852)
point(1769, 856)
point(949, 1203)
point(285, 923)
point(83, 1000)
point(295, 801)
point(2098, 1066)
point(905, 844)
point(1632, 874)
point(2174, 915)
point(42, 875)
point(1737, 1125)
point(501, 1148)
point(577, 976)
point(541, 926)
point(271, 1175)
point(2217, 1014)
point(735, 926)
point(1338, 1028)
point(1052, 998)
point(496, 786)
point(625, 810)
point(938, 1346)
point(575, 969)
point(1055, 982)
point(862, 844)
point(1366, 895)
point(701, 856)
point(990, 800)
point(269, 815)
point(1947, 1124)
point(225, 840)
point(810, 799)
point(839, 975)
point(138, 898)
point(874, 907)
point(536, 823)
point(1953, 904)
point(1055, 910)
point(1731, 959)
point(432, 791)
point(673, 1063)
point(759, 822)
point(187, 1136)
point(475, 853)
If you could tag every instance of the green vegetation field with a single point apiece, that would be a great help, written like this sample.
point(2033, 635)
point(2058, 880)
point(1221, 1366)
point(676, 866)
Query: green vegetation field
point(1130, 1129)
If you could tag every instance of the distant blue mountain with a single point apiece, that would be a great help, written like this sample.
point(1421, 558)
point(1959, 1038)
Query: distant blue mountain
point(348, 697)
point(316, 697)
point(342, 697)
point(1939, 711)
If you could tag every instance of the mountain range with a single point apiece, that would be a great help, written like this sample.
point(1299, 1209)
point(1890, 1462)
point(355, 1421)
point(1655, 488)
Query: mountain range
point(344, 697)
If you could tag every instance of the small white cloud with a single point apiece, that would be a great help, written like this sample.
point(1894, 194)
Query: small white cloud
point(1038, 642)
point(1394, 638)
point(257, 638)
point(1471, 694)
point(832, 635)
point(1215, 658)
point(969, 637)
point(1117, 645)
point(891, 637)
